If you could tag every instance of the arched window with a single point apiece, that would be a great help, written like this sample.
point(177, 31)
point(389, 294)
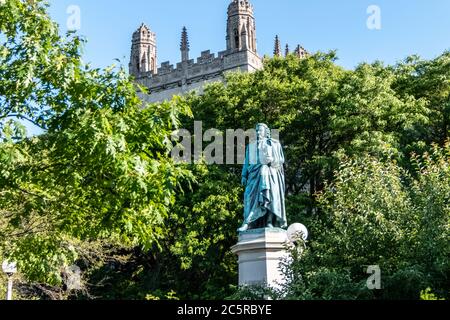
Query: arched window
point(236, 39)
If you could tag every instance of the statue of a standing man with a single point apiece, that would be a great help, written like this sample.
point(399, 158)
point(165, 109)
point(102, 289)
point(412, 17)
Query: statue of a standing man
point(263, 177)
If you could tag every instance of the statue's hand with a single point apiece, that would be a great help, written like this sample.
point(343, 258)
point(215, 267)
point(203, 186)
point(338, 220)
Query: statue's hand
point(244, 182)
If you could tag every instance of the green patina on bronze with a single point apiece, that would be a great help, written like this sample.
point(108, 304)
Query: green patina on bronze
point(263, 177)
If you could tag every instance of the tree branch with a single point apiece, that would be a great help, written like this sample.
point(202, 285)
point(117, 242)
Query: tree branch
point(22, 117)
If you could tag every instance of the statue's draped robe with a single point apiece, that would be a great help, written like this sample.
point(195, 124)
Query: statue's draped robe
point(265, 184)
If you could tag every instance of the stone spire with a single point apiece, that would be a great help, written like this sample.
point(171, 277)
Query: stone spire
point(241, 26)
point(286, 52)
point(143, 52)
point(184, 46)
point(277, 48)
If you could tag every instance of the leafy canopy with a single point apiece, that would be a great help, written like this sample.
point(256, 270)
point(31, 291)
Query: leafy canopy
point(100, 172)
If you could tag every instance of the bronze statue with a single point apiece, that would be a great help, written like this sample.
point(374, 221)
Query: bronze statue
point(263, 177)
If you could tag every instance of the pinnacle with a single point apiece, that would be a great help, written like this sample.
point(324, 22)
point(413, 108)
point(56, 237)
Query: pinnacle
point(277, 49)
point(184, 40)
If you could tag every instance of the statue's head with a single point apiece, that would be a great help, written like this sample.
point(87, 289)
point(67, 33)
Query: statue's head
point(262, 131)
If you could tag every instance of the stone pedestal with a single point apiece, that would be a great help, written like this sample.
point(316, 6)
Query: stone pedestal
point(260, 252)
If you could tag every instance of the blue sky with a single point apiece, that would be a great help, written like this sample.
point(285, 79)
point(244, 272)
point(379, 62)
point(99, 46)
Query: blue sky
point(407, 27)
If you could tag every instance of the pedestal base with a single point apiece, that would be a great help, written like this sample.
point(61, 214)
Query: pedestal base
point(260, 253)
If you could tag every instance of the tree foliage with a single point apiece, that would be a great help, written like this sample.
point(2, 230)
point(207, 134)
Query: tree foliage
point(428, 80)
point(101, 170)
point(376, 213)
point(326, 114)
point(321, 110)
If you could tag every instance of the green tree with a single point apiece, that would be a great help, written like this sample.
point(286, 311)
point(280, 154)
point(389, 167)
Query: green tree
point(378, 214)
point(101, 171)
point(195, 261)
point(321, 110)
point(428, 80)
point(323, 113)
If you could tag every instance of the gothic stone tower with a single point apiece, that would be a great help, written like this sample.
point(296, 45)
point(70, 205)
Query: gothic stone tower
point(241, 26)
point(143, 52)
point(193, 74)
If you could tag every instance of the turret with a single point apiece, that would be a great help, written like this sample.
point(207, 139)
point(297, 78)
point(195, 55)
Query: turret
point(241, 26)
point(143, 52)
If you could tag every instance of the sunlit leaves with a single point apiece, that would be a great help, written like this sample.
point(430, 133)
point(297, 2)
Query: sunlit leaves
point(376, 213)
point(100, 171)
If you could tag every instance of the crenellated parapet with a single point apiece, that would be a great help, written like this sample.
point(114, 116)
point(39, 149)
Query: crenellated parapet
point(206, 68)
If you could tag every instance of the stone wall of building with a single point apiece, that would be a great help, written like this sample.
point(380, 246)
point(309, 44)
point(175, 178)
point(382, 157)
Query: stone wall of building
point(190, 75)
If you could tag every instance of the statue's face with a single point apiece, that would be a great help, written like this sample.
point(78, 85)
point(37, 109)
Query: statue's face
point(261, 132)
